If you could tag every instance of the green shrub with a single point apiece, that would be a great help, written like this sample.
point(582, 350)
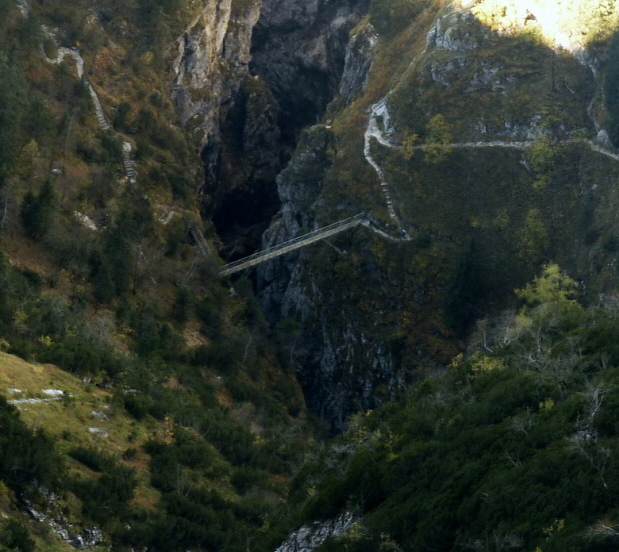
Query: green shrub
point(245, 478)
point(36, 211)
point(137, 405)
point(14, 537)
point(106, 497)
point(93, 458)
point(210, 315)
point(26, 457)
point(12, 87)
point(611, 90)
point(121, 117)
point(81, 357)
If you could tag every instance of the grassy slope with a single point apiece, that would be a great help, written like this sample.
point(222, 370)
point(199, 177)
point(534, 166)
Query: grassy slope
point(68, 420)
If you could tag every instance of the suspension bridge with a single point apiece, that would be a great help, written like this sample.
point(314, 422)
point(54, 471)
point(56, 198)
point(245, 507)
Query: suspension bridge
point(295, 243)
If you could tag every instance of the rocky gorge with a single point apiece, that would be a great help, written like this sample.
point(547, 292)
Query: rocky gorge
point(290, 66)
point(248, 116)
point(430, 366)
point(456, 69)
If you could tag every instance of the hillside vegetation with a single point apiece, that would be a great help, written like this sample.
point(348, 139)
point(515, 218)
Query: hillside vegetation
point(514, 447)
point(490, 138)
point(168, 447)
point(146, 404)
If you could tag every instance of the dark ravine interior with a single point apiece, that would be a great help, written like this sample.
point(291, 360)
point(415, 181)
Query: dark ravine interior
point(442, 375)
point(301, 86)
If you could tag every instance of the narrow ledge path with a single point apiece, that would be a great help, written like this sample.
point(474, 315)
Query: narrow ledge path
point(61, 53)
point(373, 131)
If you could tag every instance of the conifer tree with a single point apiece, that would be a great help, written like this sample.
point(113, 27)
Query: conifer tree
point(11, 112)
point(36, 211)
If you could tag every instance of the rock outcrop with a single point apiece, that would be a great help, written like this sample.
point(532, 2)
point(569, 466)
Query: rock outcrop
point(310, 537)
point(343, 362)
point(248, 130)
point(340, 364)
point(299, 187)
point(299, 49)
point(358, 62)
point(232, 116)
point(212, 61)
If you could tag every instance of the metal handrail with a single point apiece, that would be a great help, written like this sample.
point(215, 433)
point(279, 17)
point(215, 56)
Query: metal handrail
point(309, 236)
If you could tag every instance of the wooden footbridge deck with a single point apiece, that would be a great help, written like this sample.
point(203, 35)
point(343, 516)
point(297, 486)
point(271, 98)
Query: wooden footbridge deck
point(290, 245)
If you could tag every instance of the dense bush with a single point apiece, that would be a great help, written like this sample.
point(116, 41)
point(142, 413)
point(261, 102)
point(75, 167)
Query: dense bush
point(26, 457)
point(82, 357)
point(11, 114)
point(95, 459)
point(192, 515)
point(106, 496)
point(113, 268)
point(14, 537)
point(36, 211)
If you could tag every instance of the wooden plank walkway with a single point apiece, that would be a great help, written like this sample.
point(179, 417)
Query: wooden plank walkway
point(290, 245)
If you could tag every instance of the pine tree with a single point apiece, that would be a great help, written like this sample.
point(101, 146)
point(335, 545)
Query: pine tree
point(11, 113)
point(37, 211)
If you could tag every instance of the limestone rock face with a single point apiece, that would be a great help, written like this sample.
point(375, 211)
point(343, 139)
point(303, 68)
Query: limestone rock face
point(340, 357)
point(299, 187)
point(231, 115)
point(242, 190)
point(310, 537)
point(248, 131)
point(338, 367)
point(357, 64)
point(212, 61)
point(299, 50)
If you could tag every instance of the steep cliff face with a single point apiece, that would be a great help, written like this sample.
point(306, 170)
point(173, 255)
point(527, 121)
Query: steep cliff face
point(212, 61)
point(480, 131)
point(229, 114)
point(300, 185)
point(357, 63)
point(346, 361)
point(243, 197)
point(310, 537)
point(249, 126)
point(299, 49)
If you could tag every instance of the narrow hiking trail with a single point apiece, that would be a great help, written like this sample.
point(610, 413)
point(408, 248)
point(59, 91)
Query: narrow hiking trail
point(380, 128)
point(379, 116)
point(63, 52)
